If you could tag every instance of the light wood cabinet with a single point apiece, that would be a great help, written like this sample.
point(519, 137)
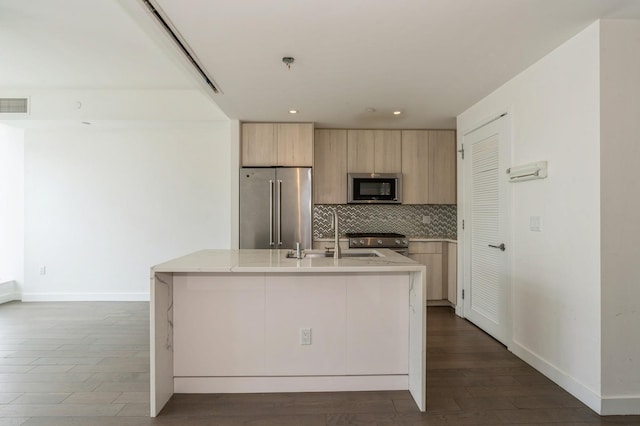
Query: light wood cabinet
point(259, 146)
point(415, 166)
point(388, 151)
point(330, 166)
point(429, 166)
point(295, 144)
point(374, 151)
point(430, 255)
point(452, 273)
point(277, 144)
point(442, 167)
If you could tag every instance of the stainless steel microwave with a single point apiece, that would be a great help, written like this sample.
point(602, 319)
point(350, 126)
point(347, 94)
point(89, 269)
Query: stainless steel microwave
point(374, 188)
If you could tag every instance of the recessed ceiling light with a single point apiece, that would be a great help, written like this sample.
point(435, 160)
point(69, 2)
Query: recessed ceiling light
point(397, 112)
point(371, 110)
point(293, 111)
point(86, 122)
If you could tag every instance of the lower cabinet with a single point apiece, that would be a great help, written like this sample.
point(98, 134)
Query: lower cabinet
point(452, 273)
point(250, 324)
point(430, 255)
point(441, 262)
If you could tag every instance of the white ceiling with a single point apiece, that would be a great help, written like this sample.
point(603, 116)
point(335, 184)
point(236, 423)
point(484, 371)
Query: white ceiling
point(431, 59)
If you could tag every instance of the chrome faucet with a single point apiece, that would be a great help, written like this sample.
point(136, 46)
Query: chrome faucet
point(334, 227)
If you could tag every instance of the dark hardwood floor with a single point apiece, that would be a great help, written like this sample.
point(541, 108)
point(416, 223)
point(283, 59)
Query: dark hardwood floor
point(88, 364)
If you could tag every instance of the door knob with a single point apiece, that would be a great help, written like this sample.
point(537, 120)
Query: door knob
point(501, 247)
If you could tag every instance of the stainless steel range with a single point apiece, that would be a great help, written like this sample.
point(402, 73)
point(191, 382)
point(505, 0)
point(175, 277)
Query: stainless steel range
point(395, 242)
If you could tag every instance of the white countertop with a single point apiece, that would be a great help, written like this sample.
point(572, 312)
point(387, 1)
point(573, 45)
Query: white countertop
point(275, 261)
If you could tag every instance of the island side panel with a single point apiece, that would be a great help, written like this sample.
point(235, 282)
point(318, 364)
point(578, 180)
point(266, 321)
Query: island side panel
point(418, 338)
point(161, 345)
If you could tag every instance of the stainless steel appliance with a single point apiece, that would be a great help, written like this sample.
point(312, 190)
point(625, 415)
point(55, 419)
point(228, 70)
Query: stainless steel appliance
point(275, 208)
point(395, 242)
point(376, 188)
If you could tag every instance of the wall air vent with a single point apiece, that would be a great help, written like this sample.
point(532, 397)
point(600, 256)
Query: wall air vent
point(14, 105)
point(182, 45)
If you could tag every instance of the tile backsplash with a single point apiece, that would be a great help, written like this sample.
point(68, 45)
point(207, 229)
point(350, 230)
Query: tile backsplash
point(401, 218)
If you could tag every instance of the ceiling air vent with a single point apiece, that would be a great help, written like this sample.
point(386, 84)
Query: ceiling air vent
point(13, 105)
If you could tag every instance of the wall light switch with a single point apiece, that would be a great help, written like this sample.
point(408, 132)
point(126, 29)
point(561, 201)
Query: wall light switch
point(426, 220)
point(43, 270)
point(534, 223)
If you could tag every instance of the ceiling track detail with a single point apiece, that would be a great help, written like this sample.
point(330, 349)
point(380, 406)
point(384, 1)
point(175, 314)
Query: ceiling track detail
point(181, 45)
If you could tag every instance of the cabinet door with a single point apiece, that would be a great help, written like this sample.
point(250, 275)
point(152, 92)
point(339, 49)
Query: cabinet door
point(442, 167)
point(360, 151)
point(294, 302)
point(259, 147)
point(377, 343)
point(388, 151)
point(330, 166)
point(429, 253)
point(452, 270)
point(295, 144)
point(415, 167)
point(433, 262)
point(218, 311)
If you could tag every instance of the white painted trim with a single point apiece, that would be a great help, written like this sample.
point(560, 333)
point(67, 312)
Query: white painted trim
point(289, 384)
point(9, 292)
point(620, 406)
point(586, 395)
point(85, 297)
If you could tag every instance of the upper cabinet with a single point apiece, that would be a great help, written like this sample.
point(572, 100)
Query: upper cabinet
point(415, 170)
point(429, 166)
point(330, 166)
point(259, 147)
point(374, 151)
point(277, 144)
point(442, 167)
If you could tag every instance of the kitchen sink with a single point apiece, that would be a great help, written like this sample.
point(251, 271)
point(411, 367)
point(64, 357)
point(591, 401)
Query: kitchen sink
point(324, 253)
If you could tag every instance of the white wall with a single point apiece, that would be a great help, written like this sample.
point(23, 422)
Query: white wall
point(620, 192)
point(103, 205)
point(554, 113)
point(11, 204)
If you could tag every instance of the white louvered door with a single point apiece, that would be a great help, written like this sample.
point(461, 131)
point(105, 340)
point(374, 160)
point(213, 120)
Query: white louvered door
point(486, 231)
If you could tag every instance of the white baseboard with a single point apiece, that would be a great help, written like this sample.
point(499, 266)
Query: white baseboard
point(85, 297)
point(9, 292)
point(561, 378)
point(620, 406)
point(268, 384)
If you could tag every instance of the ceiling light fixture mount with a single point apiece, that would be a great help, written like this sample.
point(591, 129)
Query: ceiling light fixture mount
point(288, 60)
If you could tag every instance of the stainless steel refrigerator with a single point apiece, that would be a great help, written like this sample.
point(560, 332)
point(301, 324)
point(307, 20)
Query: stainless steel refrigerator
point(275, 208)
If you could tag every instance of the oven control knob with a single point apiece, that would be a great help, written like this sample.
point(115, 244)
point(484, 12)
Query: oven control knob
point(404, 241)
point(379, 241)
point(354, 242)
point(398, 242)
point(361, 242)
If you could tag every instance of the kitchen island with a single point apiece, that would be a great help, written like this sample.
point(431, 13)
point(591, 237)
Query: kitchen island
point(227, 321)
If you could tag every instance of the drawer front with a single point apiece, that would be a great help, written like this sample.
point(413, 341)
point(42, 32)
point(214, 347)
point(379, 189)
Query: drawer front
point(431, 247)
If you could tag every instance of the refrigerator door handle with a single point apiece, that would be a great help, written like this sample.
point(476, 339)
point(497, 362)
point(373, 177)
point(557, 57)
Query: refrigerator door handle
point(279, 212)
point(271, 237)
